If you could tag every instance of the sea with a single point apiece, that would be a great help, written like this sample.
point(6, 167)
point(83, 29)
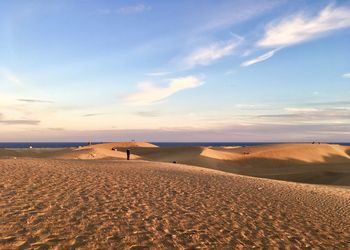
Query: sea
point(159, 144)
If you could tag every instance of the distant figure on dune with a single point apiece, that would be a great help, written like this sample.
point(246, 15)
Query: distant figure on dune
point(128, 154)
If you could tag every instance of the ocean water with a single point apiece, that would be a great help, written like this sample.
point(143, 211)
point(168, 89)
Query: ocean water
point(160, 144)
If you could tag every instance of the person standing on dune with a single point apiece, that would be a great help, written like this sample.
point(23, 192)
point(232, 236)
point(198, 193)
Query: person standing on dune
point(128, 154)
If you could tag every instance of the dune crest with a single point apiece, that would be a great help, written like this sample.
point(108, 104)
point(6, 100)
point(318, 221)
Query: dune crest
point(132, 144)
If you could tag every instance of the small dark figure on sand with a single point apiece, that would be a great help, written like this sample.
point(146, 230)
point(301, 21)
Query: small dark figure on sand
point(128, 154)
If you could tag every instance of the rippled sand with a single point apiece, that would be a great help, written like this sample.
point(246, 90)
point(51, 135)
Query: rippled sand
point(137, 204)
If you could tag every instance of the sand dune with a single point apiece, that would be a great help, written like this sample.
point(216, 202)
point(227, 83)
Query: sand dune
point(310, 153)
point(318, 164)
point(106, 150)
point(90, 153)
point(307, 163)
point(103, 204)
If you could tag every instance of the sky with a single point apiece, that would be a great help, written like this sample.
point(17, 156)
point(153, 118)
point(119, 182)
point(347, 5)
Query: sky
point(238, 71)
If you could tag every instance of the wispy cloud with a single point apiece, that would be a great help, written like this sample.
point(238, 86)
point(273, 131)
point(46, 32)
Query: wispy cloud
point(93, 114)
point(301, 28)
point(133, 9)
point(20, 122)
point(158, 73)
point(147, 113)
point(301, 110)
point(8, 76)
point(336, 115)
point(34, 101)
point(56, 129)
point(149, 93)
point(346, 75)
point(260, 58)
point(248, 106)
point(124, 10)
point(220, 15)
point(329, 104)
point(209, 54)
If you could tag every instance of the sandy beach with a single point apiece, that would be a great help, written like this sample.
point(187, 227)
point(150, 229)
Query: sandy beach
point(118, 204)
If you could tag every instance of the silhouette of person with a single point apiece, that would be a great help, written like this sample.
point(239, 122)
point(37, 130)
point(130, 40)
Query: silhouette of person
point(128, 154)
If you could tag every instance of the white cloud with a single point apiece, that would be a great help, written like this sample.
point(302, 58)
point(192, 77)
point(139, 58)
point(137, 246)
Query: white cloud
point(133, 9)
point(245, 105)
point(160, 73)
point(149, 93)
point(301, 110)
point(211, 53)
point(300, 28)
point(8, 76)
point(346, 75)
point(260, 58)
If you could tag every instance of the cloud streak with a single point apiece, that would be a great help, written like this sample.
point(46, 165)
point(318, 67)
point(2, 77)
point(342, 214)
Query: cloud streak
point(159, 73)
point(20, 122)
point(149, 93)
point(260, 58)
point(8, 76)
point(301, 28)
point(34, 101)
point(93, 114)
point(207, 55)
point(346, 75)
point(124, 10)
point(133, 9)
point(148, 114)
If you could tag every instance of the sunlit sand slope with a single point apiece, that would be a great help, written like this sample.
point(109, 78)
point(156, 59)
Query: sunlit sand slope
point(106, 150)
point(75, 204)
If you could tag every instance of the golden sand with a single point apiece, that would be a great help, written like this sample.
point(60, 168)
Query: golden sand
point(90, 198)
point(105, 204)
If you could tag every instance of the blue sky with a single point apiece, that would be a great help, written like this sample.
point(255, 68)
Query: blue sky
point(174, 70)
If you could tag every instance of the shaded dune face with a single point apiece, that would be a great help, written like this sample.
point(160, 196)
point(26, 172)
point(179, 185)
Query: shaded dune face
point(348, 152)
point(317, 164)
point(103, 204)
